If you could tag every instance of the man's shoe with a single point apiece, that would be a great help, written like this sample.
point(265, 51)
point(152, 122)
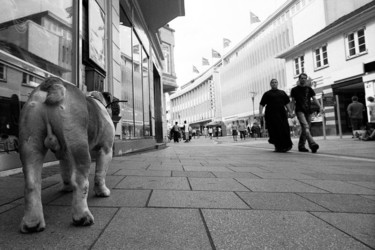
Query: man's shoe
point(303, 150)
point(314, 148)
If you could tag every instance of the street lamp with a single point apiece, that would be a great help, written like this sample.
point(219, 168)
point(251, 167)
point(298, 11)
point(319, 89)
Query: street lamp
point(253, 94)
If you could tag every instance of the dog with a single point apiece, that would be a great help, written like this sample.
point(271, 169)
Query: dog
point(76, 128)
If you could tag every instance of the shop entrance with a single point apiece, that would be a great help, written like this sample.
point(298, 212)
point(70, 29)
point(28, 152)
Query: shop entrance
point(345, 90)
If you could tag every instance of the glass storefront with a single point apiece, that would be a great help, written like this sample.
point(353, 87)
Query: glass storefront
point(36, 41)
point(40, 38)
point(135, 79)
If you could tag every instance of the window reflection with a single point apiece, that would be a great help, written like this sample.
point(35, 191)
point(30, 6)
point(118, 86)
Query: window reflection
point(126, 82)
point(137, 84)
point(35, 42)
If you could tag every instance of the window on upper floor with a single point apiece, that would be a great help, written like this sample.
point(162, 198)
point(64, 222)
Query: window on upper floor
point(355, 43)
point(167, 58)
point(299, 65)
point(321, 57)
point(3, 75)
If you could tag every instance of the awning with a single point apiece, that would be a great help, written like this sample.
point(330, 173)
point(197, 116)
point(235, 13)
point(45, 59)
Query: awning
point(215, 123)
point(159, 13)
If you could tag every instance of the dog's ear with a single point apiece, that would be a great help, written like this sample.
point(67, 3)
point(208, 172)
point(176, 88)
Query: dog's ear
point(107, 96)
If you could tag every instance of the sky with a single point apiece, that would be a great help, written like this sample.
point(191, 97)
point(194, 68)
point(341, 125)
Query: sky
point(206, 23)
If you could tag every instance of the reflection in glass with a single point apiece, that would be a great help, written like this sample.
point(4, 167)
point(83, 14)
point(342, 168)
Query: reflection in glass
point(137, 83)
point(146, 94)
point(126, 82)
point(96, 34)
point(35, 42)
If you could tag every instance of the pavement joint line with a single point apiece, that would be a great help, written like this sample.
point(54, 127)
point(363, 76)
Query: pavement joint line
point(339, 229)
point(320, 154)
point(212, 243)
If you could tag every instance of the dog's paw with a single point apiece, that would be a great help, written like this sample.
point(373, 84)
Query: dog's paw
point(102, 191)
point(32, 225)
point(86, 219)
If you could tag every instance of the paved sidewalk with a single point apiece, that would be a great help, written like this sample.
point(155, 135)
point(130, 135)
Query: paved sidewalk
point(214, 194)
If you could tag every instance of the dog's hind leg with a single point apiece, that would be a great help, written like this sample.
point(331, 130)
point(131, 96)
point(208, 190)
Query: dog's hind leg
point(80, 172)
point(32, 155)
point(104, 156)
point(66, 175)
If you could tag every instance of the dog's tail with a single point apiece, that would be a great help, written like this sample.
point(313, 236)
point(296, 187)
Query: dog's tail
point(55, 89)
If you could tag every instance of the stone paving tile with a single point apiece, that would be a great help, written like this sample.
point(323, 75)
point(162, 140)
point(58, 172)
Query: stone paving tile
point(250, 229)
point(371, 197)
point(146, 182)
point(196, 199)
point(342, 177)
point(366, 184)
point(339, 187)
point(278, 185)
point(360, 226)
point(216, 184)
point(284, 175)
point(155, 228)
point(197, 174)
point(207, 169)
point(278, 201)
point(138, 172)
point(235, 175)
point(254, 170)
point(342, 202)
point(168, 167)
point(59, 232)
point(118, 198)
point(128, 165)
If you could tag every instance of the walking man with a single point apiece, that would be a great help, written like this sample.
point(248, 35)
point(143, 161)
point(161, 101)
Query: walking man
point(301, 98)
point(355, 112)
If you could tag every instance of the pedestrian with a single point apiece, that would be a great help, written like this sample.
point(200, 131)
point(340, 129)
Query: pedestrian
point(186, 131)
point(176, 132)
point(234, 131)
point(256, 129)
point(371, 109)
point(219, 132)
point(190, 133)
point(355, 112)
point(210, 132)
point(276, 103)
point(205, 132)
point(301, 97)
point(242, 129)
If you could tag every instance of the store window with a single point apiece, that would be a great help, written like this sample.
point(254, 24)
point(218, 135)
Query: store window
point(146, 94)
point(355, 43)
point(127, 123)
point(138, 87)
point(167, 58)
point(2, 72)
point(135, 83)
point(36, 41)
point(321, 57)
point(299, 65)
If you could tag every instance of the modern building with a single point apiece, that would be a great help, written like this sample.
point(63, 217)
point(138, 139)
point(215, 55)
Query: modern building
point(247, 69)
point(340, 59)
point(196, 102)
point(115, 46)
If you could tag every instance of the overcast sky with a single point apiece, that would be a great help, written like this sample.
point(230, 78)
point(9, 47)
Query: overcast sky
point(206, 23)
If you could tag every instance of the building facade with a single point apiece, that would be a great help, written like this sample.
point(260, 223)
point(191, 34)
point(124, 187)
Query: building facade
point(244, 73)
point(195, 102)
point(340, 59)
point(113, 46)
